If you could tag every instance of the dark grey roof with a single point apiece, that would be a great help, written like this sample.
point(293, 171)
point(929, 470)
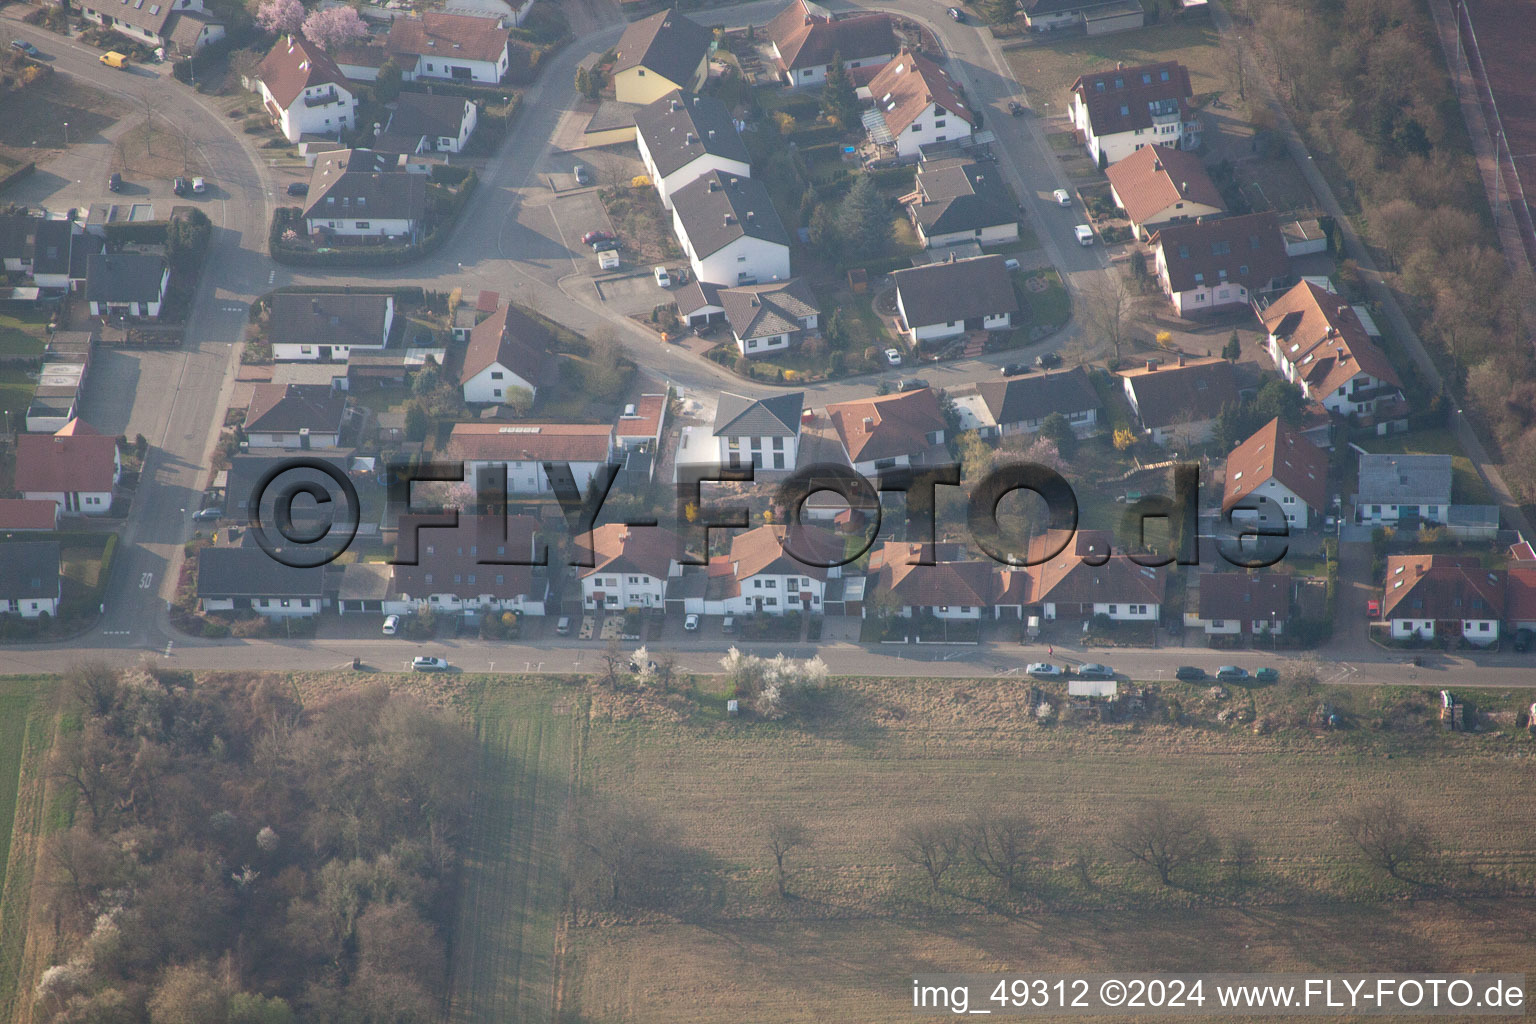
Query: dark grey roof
point(418, 114)
point(767, 310)
point(717, 209)
point(611, 114)
point(681, 127)
point(1039, 8)
point(288, 408)
point(958, 195)
point(359, 183)
point(1405, 479)
point(246, 471)
point(695, 295)
point(1034, 397)
point(667, 43)
point(740, 416)
point(81, 249)
point(51, 253)
point(17, 232)
point(942, 293)
point(124, 277)
point(328, 319)
point(29, 569)
point(247, 572)
point(147, 15)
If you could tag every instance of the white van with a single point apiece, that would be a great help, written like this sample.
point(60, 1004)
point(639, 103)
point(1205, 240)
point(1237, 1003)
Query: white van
point(1084, 234)
point(391, 625)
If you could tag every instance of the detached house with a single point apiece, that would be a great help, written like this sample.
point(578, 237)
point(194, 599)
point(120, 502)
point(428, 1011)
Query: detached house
point(1019, 405)
point(39, 248)
point(760, 577)
point(1445, 596)
point(1096, 17)
point(77, 469)
point(762, 317)
point(1180, 402)
point(183, 26)
point(304, 92)
point(454, 572)
point(328, 326)
point(247, 579)
point(1087, 579)
point(458, 47)
point(1122, 110)
point(658, 54)
point(942, 300)
point(1319, 344)
point(804, 37)
point(126, 283)
point(1159, 185)
point(359, 193)
point(507, 350)
point(1279, 464)
point(916, 104)
point(763, 433)
point(295, 416)
point(1398, 489)
point(890, 431)
point(29, 578)
point(953, 587)
point(1218, 264)
point(521, 450)
point(730, 230)
point(427, 123)
point(960, 201)
point(1241, 603)
point(684, 136)
point(632, 566)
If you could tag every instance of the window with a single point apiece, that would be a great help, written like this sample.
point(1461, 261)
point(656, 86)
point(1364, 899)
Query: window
point(634, 579)
point(1114, 609)
point(741, 259)
point(1243, 272)
point(917, 127)
point(805, 74)
point(770, 602)
point(1220, 248)
point(1164, 76)
point(497, 375)
point(362, 225)
point(939, 123)
point(1218, 623)
point(1125, 111)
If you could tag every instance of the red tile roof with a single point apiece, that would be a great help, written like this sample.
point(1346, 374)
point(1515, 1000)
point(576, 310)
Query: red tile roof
point(1153, 178)
point(1319, 334)
point(1520, 593)
point(27, 514)
point(896, 424)
point(1245, 596)
point(453, 562)
point(1277, 452)
point(82, 461)
point(953, 583)
point(296, 64)
point(1441, 587)
point(641, 549)
point(1069, 578)
point(646, 422)
point(1122, 104)
point(531, 442)
point(449, 36)
point(807, 41)
point(1245, 250)
point(515, 340)
point(908, 84)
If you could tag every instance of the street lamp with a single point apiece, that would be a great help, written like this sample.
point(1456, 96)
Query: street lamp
point(66, 133)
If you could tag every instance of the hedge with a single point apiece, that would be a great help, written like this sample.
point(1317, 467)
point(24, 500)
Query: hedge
point(140, 232)
point(371, 256)
point(442, 87)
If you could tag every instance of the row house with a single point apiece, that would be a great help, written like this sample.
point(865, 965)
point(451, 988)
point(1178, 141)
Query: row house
point(465, 570)
point(521, 449)
point(631, 567)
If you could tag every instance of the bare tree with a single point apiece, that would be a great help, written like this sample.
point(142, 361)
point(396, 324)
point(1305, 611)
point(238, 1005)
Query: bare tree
point(1165, 837)
point(150, 103)
point(86, 762)
point(932, 846)
point(1105, 306)
point(1003, 845)
point(617, 852)
point(615, 661)
point(784, 835)
point(1388, 836)
point(1240, 854)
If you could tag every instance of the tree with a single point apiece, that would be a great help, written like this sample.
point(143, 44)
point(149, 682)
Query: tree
point(150, 103)
point(826, 236)
point(865, 219)
point(1106, 308)
point(1124, 438)
point(416, 422)
point(386, 87)
point(1165, 838)
point(280, 16)
point(784, 835)
point(188, 994)
point(1001, 844)
point(932, 846)
point(1233, 349)
point(1058, 429)
point(253, 1008)
point(839, 101)
point(1387, 835)
point(334, 26)
point(1240, 854)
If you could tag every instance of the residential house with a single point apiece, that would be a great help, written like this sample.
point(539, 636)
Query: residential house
point(1095, 17)
point(29, 578)
point(295, 416)
point(1217, 264)
point(456, 571)
point(522, 449)
point(631, 566)
point(1319, 344)
point(1403, 490)
point(1240, 604)
point(76, 468)
point(960, 201)
point(28, 515)
point(470, 315)
point(358, 193)
point(730, 230)
point(953, 586)
point(509, 349)
point(328, 326)
point(303, 90)
point(1520, 595)
point(457, 47)
point(1180, 403)
point(658, 54)
point(1122, 110)
point(126, 284)
point(182, 26)
point(763, 318)
point(1443, 596)
point(684, 136)
point(1160, 185)
point(641, 422)
point(427, 123)
point(1280, 464)
point(38, 248)
point(945, 299)
point(916, 104)
point(1019, 405)
point(247, 579)
point(759, 575)
point(1087, 578)
point(805, 37)
point(361, 59)
point(763, 433)
point(890, 431)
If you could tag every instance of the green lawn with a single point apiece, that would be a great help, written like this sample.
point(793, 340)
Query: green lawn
point(22, 330)
point(1052, 306)
point(25, 730)
point(16, 390)
point(1467, 488)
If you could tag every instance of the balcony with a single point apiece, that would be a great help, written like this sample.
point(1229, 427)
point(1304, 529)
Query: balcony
point(322, 99)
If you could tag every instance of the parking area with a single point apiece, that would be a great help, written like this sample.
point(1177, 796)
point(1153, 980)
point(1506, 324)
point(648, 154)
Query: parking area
point(636, 293)
point(575, 214)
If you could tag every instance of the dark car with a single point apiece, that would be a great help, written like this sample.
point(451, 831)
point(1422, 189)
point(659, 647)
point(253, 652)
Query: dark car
point(114, 182)
point(207, 514)
point(1091, 670)
point(583, 176)
point(181, 186)
point(1267, 675)
point(1016, 369)
point(911, 384)
point(1524, 640)
point(1189, 673)
point(1048, 361)
point(604, 244)
point(27, 48)
point(1015, 108)
point(298, 188)
point(1231, 674)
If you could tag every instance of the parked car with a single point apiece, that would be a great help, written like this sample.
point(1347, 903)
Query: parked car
point(1062, 197)
point(1524, 639)
point(298, 188)
point(199, 186)
point(605, 245)
point(1010, 264)
point(1015, 108)
point(391, 625)
point(426, 664)
point(1189, 673)
point(728, 625)
point(1231, 674)
point(1373, 609)
point(114, 182)
point(1084, 234)
point(893, 356)
point(180, 186)
point(27, 48)
point(1267, 675)
point(911, 384)
point(1093, 670)
point(1016, 369)
point(1044, 670)
point(563, 626)
point(597, 236)
point(957, 14)
point(113, 59)
point(662, 279)
point(691, 623)
point(1048, 360)
point(206, 514)
point(583, 176)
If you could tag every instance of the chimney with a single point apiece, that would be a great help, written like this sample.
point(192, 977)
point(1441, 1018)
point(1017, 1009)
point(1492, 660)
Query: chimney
point(314, 306)
point(1338, 353)
point(713, 186)
point(1157, 164)
point(869, 423)
point(751, 216)
point(690, 139)
point(735, 181)
point(1183, 187)
point(1151, 365)
point(951, 256)
point(711, 133)
point(675, 106)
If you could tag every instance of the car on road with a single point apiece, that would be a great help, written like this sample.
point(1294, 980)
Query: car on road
point(1015, 108)
point(298, 188)
point(957, 14)
point(426, 664)
point(911, 384)
point(1044, 670)
point(1231, 674)
point(893, 356)
point(27, 48)
point(1373, 609)
point(1016, 369)
point(1093, 670)
point(113, 59)
point(180, 186)
point(206, 514)
point(583, 176)
point(114, 182)
point(199, 186)
point(597, 236)
point(1084, 234)
point(1267, 675)
point(691, 623)
point(1062, 197)
point(1189, 673)
point(391, 625)
point(662, 278)
point(1048, 360)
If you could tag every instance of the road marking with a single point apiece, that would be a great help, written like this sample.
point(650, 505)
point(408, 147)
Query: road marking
point(116, 632)
point(146, 580)
point(271, 276)
point(168, 645)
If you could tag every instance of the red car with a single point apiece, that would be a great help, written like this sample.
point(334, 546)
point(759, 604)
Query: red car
point(597, 236)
